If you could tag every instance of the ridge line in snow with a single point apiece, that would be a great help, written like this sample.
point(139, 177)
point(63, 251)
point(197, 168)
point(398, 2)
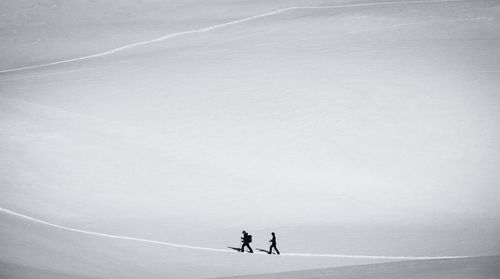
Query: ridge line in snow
point(217, 26)
point(176, 245)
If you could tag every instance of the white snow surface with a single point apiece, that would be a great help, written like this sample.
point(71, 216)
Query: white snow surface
point(365, 128)
point(98, 234)
point(475, 268)
point(220, 25)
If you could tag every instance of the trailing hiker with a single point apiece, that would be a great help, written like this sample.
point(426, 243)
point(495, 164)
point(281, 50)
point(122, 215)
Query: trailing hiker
point(246, 240)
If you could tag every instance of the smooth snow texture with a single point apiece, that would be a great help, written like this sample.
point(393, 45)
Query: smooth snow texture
point(473, 268)
point(216, 26)
point(354, 131)
point(216, 249)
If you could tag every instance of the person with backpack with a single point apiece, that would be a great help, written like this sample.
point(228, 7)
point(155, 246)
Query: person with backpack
point(246, 239)
point(273, 244)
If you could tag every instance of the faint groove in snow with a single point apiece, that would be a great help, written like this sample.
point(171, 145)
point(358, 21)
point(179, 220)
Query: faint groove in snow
point(217, 26)
point(55, 109)
point(105, 66)
point(176, 245)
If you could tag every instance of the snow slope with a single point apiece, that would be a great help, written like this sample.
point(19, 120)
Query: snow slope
point(475, 268)
point(368, 130)
point(32, 246)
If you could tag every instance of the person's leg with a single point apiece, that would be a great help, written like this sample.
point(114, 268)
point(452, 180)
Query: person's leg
point(270, 249)
point(242, 247)
point(275, 248)
point(249, 248)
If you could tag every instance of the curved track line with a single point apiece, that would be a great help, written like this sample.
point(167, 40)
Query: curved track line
point(7, 211)
point(217, 26)
point(108, 235)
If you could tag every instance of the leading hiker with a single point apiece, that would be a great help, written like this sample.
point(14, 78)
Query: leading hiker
point(273, 244)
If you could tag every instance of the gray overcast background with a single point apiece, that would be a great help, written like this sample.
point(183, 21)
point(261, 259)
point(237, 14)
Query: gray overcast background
point(371, 130)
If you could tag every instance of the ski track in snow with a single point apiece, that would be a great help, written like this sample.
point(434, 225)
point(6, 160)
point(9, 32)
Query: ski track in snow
point(203, 30)
point(176, 245)
point(217, 26)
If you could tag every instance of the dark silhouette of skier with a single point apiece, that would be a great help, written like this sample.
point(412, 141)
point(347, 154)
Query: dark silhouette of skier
point(273, 244)
point(246, 239)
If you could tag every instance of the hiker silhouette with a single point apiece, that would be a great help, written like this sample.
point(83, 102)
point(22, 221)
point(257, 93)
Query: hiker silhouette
point(273, 244)
point(246, 239)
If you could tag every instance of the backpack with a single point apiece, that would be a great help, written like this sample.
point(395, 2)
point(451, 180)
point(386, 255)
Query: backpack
point(249, 238)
